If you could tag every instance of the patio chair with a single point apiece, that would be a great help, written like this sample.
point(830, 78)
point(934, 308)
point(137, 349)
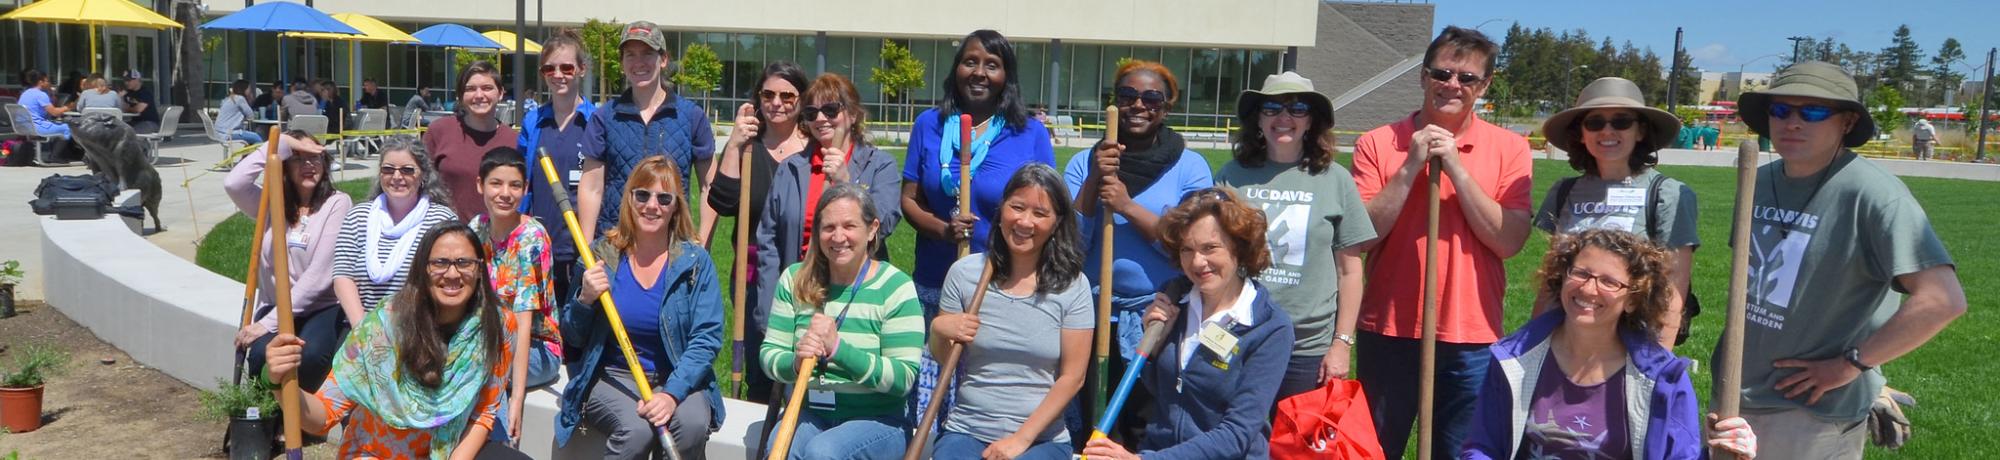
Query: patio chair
point(170, 122)
point(24, 126)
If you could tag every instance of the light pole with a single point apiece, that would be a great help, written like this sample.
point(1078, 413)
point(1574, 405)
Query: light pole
point(1795, 46)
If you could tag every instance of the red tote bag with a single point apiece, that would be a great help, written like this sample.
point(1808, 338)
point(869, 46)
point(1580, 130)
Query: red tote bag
point(1331, 421)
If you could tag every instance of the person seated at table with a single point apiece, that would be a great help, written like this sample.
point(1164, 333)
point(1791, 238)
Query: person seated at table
point(235, 113)
point(300, 101)
point(332, 105)
point(1227, 344)
point(422, 375)
point(1563, 385)
point(43, 113)
point(372, 96)
point(416, 106)
point(98, 94)
point(266, 101)
point(139, 101)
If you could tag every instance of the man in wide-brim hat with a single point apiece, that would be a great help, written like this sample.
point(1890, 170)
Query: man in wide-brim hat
point(1834, 239)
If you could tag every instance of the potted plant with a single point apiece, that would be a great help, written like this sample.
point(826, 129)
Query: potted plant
point(21, 388)
point(10, 275)
point(251, 410)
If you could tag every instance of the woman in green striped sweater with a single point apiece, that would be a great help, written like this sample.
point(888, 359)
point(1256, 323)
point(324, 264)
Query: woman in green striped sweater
point(861, 318)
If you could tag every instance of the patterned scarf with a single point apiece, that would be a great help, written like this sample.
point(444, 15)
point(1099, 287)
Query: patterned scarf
point(370, 374)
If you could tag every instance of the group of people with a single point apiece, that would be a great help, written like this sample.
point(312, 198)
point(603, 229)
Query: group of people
point(47, 104)
point(458, 287)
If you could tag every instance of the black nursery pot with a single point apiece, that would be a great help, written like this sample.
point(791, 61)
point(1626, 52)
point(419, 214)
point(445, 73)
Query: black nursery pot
point(249, 439)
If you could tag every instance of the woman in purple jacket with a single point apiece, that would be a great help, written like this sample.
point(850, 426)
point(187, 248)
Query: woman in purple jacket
point(1590, 378)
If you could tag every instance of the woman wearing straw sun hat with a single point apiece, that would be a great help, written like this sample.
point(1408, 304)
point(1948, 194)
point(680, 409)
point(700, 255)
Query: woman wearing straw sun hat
point(1614, 139)
point(1284, 165)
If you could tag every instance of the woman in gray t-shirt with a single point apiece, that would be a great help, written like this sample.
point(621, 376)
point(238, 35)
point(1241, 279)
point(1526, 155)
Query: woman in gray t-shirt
point(1614, 139)
point(1031, 337)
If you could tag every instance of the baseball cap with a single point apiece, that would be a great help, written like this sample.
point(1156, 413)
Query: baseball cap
point(133, 75)
point(645, 32)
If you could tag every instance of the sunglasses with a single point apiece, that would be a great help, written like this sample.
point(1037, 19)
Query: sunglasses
point(641, 196)
point(1443, 75)
point(565, 69)
point(1617, 123)
point(1126, 96)
point(1207, 193)
point(1811, 113)
point(831, 109)
point(388, 171)
point(769, 95)
point(463, 264)
point(1298, 109)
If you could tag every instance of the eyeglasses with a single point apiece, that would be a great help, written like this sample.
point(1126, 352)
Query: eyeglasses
point(1604, 283)
point(1617, 123)
point(641, 196)
point(1464, 78)
point(769, 95)
point(463, 264)
point(566, 69)
point(831, 109)
point(1298, 109)
point(389, 171)
point(1207, 193)
point(1811, 113)
point(1126, 96)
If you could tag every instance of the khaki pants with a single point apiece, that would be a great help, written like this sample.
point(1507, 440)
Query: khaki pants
point(1796, 434)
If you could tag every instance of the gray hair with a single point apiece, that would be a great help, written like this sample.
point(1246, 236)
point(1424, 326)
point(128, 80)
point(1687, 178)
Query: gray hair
point(428, 179)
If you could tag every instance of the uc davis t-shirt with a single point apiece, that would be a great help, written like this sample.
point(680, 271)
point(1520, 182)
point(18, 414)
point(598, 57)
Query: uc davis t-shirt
point(1308, 217)
point(1621, 205)
point(1822, 269)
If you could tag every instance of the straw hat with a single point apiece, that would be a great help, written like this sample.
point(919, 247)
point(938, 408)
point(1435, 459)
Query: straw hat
point(1812, 79)
point(1564, 132)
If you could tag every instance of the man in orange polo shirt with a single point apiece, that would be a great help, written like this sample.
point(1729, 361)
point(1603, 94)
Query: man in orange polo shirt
point(1484, 219)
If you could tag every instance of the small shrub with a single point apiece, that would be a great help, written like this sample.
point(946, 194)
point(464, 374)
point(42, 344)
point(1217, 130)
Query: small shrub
point(231, 400)
point(34, 366)
point(10, 272)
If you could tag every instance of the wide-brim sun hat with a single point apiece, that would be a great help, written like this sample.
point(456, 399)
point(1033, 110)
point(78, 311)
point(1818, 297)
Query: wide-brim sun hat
point(1250, 101)
point(1812, 79)
point(1563, 131)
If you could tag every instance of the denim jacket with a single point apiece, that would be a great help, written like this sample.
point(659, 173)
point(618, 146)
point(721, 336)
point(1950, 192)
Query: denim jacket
point(690, 326)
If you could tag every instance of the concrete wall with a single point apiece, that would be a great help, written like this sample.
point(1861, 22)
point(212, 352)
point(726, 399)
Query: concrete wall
point(1225, 23)
point(179, 318)
point(1356, 41)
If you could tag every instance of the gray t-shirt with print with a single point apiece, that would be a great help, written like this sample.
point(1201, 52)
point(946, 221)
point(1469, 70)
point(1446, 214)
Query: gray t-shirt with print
point(1012, 363)
point(1621, 205)
point(1308, 217)
point(1824, 254)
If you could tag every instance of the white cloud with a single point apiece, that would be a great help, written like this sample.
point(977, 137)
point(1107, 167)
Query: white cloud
point(1713, 52)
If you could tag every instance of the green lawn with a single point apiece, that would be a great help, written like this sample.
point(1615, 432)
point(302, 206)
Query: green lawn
point(1943, 375)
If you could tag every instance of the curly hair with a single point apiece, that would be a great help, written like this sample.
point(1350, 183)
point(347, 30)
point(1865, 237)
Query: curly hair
point(1646, 264)
point(1645, 153)
point(430, 183)
point(1243, 224)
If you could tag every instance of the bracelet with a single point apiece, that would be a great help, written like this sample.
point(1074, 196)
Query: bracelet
point(1345, 338)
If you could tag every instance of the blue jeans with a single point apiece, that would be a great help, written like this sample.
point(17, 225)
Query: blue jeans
point(856, 439)
point(246, 136)
point(1387, 369)
point(954, 446)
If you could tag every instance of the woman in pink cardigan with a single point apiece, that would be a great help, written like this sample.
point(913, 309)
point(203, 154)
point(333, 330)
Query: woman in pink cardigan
point(313, 217)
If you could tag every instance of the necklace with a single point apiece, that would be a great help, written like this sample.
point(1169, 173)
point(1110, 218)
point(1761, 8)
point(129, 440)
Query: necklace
point(1785, 225)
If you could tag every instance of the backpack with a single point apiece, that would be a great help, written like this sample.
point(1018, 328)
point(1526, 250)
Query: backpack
point(1332, 421)
point(1690, 305)
point(83, 196)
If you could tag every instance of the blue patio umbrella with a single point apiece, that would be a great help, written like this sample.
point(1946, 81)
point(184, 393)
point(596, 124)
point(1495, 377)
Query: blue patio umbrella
point(280, 16)
point(452, 36)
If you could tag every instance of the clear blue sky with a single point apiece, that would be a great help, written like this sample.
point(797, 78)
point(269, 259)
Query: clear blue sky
point(1721, 35)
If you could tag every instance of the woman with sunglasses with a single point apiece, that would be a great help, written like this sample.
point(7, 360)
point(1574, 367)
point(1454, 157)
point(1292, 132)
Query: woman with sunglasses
point(666, 291)
point(1564, 385)
point(1226, 338)
point(312, 229)
point(1135, 180)
point(1614, 139)
point(559, 129)
point(983, 82)
point(422, 376)
point(460, 141)
point(378, 237)
point(861, 319)
point(837, 153)
point(1284, 165)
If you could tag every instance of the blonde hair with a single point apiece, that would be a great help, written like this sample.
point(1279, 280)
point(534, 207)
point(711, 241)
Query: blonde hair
point(653, 170)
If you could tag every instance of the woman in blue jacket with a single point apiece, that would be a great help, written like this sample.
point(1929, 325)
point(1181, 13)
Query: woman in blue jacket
point(1216, 377)
point(666, 292)
point(1591, 378)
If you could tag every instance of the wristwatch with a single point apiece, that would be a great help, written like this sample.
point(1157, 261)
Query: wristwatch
point(1854, 359)
point(1349, 339)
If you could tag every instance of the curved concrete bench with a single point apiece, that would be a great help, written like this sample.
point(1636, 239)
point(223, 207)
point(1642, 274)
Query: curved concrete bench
point(175, 316)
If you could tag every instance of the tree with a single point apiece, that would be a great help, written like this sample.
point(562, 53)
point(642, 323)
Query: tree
point(600, 39)
point(1943, 77)
point(900, 73)
point(701, 70)
point(1885, 105)
point(1901, 60)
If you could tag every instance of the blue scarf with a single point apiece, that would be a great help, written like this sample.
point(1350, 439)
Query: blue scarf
point(948, 146)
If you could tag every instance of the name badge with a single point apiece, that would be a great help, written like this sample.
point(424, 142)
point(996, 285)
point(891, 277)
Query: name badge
point(1218, 341)
point(820, 399)
point(575, 176)
point(1625, 196)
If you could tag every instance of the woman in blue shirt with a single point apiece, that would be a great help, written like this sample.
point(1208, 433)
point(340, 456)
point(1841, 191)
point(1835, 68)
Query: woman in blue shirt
point(42, 110)
point(666, 292)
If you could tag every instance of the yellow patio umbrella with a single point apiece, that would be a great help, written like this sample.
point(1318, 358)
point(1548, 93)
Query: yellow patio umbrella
point(92, 13)
point(372, 30)
point(506, 40)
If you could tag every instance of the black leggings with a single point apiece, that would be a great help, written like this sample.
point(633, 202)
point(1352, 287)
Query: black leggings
point(495, 450)
point(323, 331)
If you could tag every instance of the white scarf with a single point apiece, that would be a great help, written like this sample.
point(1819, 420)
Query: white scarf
point(382, 270)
